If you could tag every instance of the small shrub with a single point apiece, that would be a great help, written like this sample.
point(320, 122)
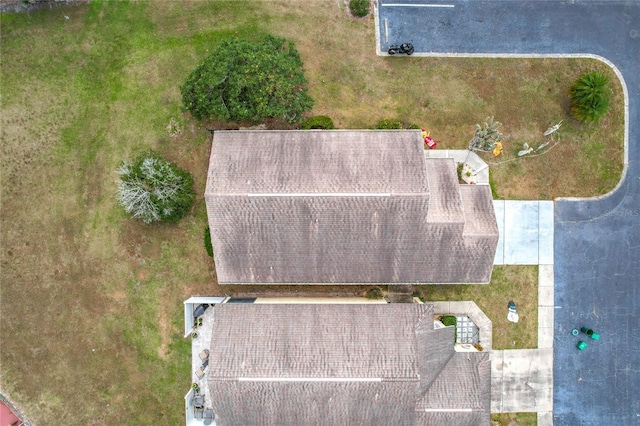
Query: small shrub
point(448, 320)
point(590, 97)
point(359, 8)
point(413, 126)
point(207, 241)
point(317, 122)
point(389, 124)
point(154, 189)
point(374, 293)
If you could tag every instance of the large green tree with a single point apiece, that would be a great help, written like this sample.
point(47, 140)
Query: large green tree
point(245, 81)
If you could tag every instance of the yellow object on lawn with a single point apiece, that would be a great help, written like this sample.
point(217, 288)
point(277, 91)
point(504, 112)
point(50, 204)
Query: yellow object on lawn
point(498, 149)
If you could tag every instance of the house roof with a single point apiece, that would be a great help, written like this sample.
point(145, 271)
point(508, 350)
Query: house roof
point(355, 207)
point(340, 364)
point(315, 162)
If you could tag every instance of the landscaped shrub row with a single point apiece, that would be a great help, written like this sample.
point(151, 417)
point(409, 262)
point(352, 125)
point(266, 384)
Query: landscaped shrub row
point(207, 241)
point(395, 124)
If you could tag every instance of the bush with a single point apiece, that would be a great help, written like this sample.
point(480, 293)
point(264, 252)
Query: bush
point(374, 293)
point(207, 241)
point(486, 136)
point(317, 122)
point(153, 189)
point(448, 320)
point(419, 295)
point(359, 8)
point(459, 168)
point(590, 97)
point(244, 81)
point(389, 124)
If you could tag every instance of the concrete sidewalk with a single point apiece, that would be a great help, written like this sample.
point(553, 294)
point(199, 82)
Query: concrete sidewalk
point(522, 379)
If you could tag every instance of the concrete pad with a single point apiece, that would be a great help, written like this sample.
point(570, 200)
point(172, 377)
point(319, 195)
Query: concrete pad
point(436, 153)
point(521, 233)
point(545, 316)
point(475, 162)
point(545, 296)
point(545, 276)
point(523, 381)
point(497, 364)
point(440, 307)
point(200, 343)
point(545, 419)
point(545, 338)
point(546, 306)
point(482, 177)
point(545, 232)
point(462, 307)
point(498, 207)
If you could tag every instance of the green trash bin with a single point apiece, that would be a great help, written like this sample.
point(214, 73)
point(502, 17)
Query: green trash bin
point(581, 345)
point(595, 336)
point(587, 331)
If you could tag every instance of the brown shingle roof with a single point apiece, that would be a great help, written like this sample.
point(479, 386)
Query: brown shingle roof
point(316, 341)
point(340, 365)
point(343, 207)
point(341, 161)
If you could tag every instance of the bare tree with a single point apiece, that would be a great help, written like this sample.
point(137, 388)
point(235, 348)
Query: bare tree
point(486, 136)
point(153, 189)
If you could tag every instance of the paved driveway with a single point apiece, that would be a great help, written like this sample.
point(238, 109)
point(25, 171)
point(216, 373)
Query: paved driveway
point(596, 242)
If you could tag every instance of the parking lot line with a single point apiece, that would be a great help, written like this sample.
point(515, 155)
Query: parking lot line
point(415, 5)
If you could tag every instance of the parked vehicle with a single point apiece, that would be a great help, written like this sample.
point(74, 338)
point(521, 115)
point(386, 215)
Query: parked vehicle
point(406, 48)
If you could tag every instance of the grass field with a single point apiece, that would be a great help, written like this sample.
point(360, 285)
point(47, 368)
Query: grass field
point(90, 300)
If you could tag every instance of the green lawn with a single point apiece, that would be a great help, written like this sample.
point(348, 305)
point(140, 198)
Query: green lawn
point(91, 301)
point(514, 419)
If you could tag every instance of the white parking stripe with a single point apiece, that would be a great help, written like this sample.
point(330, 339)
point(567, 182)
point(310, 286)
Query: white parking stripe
point(415, 5)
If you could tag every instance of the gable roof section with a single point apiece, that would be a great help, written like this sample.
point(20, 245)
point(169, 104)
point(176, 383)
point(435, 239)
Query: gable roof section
point(316, 162)
point(316, 341)
point(341, 364)
point(345, 207)
point(460, 394)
